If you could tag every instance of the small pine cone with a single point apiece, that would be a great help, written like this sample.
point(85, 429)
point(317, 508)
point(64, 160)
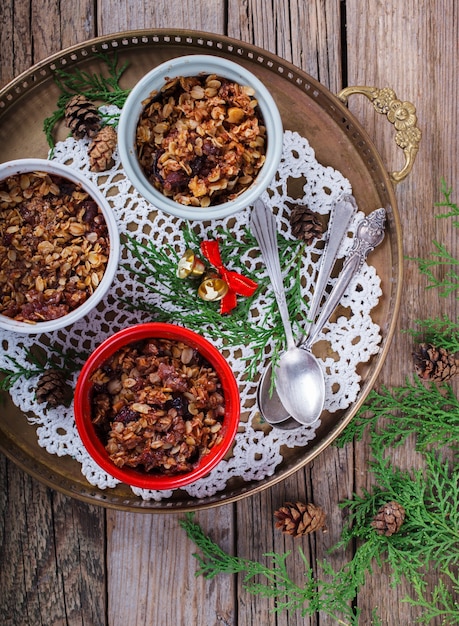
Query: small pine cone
point(299, 519)
point(435, 364)
point(82, 117)
point(101, 149)
point(52, 388)
point(388, 519)
point(305, 224)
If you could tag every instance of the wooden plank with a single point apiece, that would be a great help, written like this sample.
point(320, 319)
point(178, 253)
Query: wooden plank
point(151, 571)
point(33, 31)
point(308, 35)
point(173, 14)
point(15, 43)
point(51, 553)
point(417, 55)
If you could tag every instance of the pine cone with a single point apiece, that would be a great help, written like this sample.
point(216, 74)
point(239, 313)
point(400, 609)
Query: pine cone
point(82, 117)
point(388, 519)
point(299, 519)
point(101, 149)
point(52, 388)
point(436, 364)
point(305, 224)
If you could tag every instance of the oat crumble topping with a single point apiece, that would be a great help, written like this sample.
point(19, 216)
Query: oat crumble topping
point(54, 246)
point(201, 140)
point(158, 406)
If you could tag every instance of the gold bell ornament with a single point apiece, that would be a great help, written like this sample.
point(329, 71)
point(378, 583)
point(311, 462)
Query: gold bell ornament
point(213, 288)
point(190, 266)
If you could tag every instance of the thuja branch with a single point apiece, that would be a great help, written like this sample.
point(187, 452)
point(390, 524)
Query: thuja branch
point(173, 299)
point(441, 257)
point(440, 331)
point(37, 361)
point(453, 208)
point(429, 411)
point(427, 541)
point(332, 597)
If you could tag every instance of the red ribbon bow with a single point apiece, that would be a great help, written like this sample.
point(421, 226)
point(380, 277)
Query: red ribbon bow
point(237, 283)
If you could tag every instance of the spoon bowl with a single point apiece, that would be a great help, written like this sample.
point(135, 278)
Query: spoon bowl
point(300, 385)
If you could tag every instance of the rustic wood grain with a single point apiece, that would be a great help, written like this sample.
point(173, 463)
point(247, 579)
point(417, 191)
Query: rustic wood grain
point(208, 16)
point(51, 554)
point(151, 571)
point(53, 547)
point(411, 47)
point(65, 562)
point(31, 31)
point(308, 35)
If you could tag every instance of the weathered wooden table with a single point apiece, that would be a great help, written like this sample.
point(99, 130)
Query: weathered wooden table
point(67, 562)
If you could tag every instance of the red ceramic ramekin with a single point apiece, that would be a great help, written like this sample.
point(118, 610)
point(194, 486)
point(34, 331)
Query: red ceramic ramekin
point(94, 445)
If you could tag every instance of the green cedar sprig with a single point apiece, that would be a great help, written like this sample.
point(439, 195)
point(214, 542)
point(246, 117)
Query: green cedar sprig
point(38, 360)
point(429, 538)
point(155, 268)
point(441, 256)
point(98, 87)
point(273, 581)
point(429, 411)
point(428, 541)
point(439, 331)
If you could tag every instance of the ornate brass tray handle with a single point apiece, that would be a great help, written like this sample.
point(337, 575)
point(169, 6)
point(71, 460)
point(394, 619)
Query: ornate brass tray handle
point(401, 114)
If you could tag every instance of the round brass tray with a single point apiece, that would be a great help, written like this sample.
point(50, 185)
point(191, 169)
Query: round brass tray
point(306, 107)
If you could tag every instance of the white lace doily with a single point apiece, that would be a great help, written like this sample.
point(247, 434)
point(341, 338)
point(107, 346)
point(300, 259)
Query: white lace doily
point(354, 338)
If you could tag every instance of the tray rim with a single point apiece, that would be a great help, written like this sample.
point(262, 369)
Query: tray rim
point(43, 71)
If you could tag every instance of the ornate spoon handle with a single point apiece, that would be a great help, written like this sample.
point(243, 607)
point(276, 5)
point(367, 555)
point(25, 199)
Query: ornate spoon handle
point(340, 218)
point(370, 233)
point(264, 227)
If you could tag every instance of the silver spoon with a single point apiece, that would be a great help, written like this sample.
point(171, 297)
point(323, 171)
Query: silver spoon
point(264, 227)
point(340, 218)
point(276, 408)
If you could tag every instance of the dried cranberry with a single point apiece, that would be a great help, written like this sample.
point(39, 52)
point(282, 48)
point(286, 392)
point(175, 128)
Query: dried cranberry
point(177, 403)
point(99, 388)
point(107, 369)
point(66, 187)
point(210, 148)
point(91, 209)
point(126, 415)
point(176, 181)
point(29, 216)
point(201, 166)
point(7, 239)
point(150, 459)
point(150, 347)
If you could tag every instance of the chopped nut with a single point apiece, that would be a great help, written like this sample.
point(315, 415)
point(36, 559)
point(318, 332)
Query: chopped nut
point(235, 115)
point(140, 408)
